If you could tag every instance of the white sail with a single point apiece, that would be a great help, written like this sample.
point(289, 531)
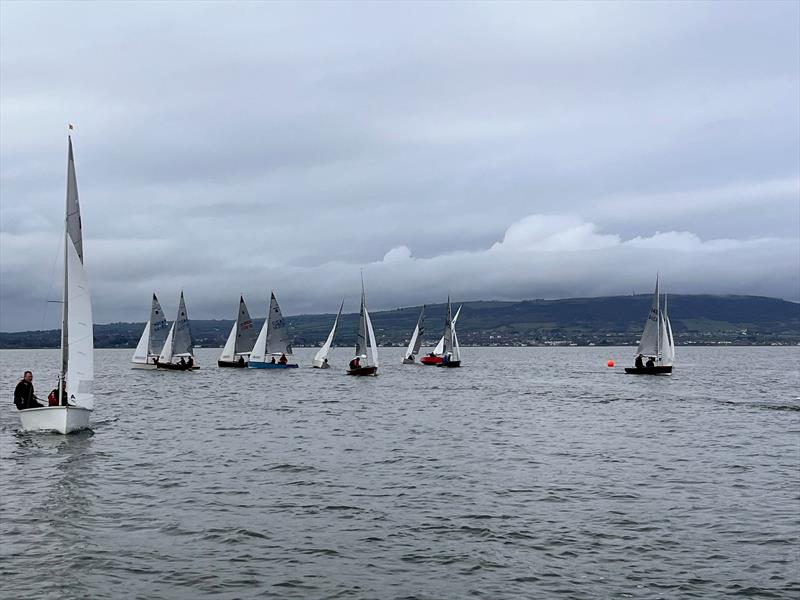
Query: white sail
point(259, 351)
point(230, 346)
point(182, 340)
point(649, 342)
point(456, 348)
point(667, 343)
point(416, 337)
point(77, 330)
point(322, 353)
point(158, 328)
point(439, 350)
point(166, 351)
point(245, 332)
point(277, 332)
point(372, 358)
point(361, 336)
point(140, 354)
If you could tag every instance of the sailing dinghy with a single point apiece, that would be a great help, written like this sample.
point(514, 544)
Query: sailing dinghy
point(416, 339)
point(178, 344)
point(153, 337)
point(273, 341)
point(321, 357)
point(241, 340)
point(366, 347)
point(451, 353)
point(656, 342)
point(76, 372)
point(435, 358)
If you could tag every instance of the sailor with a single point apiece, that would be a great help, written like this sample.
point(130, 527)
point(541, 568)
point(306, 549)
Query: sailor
point(190, 362)
point(325, 364)
point(650, 362)
point(639, 363)
point(432, 355)
point(240, 362)
point(283, 360)
point(23, 393)
point(183, 363)
point(355, 363)
point(272, 360)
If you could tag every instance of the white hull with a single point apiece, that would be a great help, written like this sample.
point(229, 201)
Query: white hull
point(143, 365)
point(59, 419)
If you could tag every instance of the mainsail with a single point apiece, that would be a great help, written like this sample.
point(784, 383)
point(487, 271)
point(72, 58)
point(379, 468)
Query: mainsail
point(361, 336)
point(439, 350)
point(158, 328)
point(277, 332)
point(416, 337)
point(649, 342)
point(322, 353)
point(182, 342)
point(667, 342)
point(77, 337)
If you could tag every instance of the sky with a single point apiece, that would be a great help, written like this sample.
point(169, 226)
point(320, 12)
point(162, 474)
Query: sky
point(483, 150)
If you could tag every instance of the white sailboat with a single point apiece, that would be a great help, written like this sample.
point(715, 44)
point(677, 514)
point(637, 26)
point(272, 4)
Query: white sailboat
point(76, 373)
point(451, 353)
point(321, 357)
point(435, 358)
point(416, 340)
point(272, 341)
point(366, 347)
point(656, 343)
point(153, 337)
point(178, 344)
point(240, 341)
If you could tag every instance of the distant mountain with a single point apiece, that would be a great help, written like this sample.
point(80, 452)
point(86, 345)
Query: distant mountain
point(700, 319)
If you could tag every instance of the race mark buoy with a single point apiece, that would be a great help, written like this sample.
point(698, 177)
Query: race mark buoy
point(610, 363)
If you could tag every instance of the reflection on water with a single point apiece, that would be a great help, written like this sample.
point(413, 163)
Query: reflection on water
point(553, 477)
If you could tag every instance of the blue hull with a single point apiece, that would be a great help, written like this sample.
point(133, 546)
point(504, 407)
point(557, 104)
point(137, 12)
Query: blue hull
point(266, 365)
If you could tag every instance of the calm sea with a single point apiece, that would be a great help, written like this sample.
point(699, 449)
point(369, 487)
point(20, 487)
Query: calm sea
point(529, 473)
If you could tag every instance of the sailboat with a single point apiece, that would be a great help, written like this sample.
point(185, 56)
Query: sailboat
point(416, 339)
point(656, 342)
point(178, 344)
point(273, 341)
point(321, 357)
point(451, 353)
point(435, 358)
point(241, 339)
point(76, 372)
point(153, 337)
point(366, 347)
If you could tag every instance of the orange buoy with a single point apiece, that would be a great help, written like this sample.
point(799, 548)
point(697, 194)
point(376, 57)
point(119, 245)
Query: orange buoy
point(610, 363)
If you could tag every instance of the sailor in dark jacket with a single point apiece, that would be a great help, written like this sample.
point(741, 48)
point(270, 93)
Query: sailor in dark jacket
point(23, 393)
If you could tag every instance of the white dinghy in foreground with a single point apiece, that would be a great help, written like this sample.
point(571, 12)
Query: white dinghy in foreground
point(76, 373)
point(366, 347)
point(656, 343)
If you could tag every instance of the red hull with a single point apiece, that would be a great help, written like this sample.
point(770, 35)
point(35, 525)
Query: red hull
point(431, 360)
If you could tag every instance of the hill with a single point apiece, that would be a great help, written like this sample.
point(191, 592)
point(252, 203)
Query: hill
point(612, 320)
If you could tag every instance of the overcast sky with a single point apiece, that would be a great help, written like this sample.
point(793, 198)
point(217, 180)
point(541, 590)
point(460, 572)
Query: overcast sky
point(492, 151)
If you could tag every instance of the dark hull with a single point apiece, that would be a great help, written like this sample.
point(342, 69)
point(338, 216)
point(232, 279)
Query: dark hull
point(177, 367)
point(450, 364)
point(231, 363)
point(363, 371)
point(648, 370)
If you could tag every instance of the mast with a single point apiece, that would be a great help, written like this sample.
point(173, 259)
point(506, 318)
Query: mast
point(65, 294)
point(658, 323)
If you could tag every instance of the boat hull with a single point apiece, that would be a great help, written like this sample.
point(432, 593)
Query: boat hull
point(143, 365)
point(649, 370)
point(363, 371)
point(58, 419)
point(175, 367)
point(431, 360)
point(266, 365)
point(232, 364)
point(409, 361)
point(451, 364)
point(322, 366)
